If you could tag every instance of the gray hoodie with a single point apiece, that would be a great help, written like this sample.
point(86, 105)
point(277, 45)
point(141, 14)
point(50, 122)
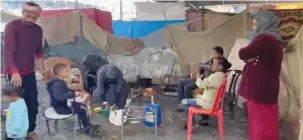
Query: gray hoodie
point(109, 74)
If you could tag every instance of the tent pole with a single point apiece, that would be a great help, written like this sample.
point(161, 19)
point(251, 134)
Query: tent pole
point(76, 5)
point(80, 17)
point(121, 10)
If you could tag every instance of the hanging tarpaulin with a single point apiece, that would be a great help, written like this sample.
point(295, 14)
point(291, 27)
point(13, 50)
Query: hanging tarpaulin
point(102, 18)
point(151, 11)
point(135, 29)
point(289, 6)
point(7, 17)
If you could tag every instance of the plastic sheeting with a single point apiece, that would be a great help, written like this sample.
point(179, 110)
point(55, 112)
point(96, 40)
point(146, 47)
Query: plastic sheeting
point(63, 29)
point(193, 47)
point(7, 17)
point(102, 18)
point(199, 21)
point(135, 29)
point(160, 11)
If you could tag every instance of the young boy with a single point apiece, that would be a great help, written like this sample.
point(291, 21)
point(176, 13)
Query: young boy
point(60, 93)
point(209, 85)
point(17, 116)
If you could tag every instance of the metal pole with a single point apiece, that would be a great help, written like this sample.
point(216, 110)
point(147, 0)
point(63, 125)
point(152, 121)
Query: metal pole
point(155, 125)
point(80, 17)
point(122, 126)
point(76, 5)
point(121, 10)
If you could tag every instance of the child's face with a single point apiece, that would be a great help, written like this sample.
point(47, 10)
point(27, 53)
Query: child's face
point(63, 73)
point(215, 67)
point(11, 98)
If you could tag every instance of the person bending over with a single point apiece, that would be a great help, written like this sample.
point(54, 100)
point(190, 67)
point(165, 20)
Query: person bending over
point(210, 86)
point(60, 93)
point(17, 122)
point(185, 87)
point(111, 86)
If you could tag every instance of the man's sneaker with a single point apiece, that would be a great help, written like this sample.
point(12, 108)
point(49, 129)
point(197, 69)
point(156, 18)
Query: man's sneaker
point(179, 109)
point(203, 122)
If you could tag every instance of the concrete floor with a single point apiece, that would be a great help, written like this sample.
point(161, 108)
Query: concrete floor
point(171, 127)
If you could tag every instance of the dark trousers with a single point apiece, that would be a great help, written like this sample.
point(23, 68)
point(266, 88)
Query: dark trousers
point(184, 89)
point(91, 82)
point(30, 96)
point(81, 110)
point(116, 98)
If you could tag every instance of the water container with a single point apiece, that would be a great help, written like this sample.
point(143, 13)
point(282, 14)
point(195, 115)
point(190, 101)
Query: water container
point(149, 121)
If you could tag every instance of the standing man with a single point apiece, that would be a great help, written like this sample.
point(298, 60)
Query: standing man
point(22, 44)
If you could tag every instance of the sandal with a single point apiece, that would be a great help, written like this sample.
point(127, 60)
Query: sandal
point(96, 130)
point(194, 127)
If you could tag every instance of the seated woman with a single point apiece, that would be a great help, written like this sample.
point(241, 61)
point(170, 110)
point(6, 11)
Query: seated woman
point(209, 85)
point(185, 87)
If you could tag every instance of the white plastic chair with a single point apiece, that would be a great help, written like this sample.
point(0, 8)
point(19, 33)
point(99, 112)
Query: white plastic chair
point(51, 114)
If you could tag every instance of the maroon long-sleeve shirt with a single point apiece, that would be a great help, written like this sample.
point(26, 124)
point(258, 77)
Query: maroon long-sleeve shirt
point(22, 43)
point(261, 75)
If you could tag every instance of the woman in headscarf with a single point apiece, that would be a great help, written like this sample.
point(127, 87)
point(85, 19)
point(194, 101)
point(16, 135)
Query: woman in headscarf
point(260, 84)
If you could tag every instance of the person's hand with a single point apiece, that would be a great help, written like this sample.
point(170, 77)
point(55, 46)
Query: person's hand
point(78, 93)
point(43, 75)
point(16, 79)
point(198, 72)
point(196, 64)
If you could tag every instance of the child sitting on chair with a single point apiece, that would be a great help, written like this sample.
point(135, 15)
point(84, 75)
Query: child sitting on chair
point(17, 115)
point(209, 87)
point(60, 93)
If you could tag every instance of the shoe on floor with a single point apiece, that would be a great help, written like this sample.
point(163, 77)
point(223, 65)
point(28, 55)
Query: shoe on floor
point(194, 127)
point(204, 122)
point(179, 109)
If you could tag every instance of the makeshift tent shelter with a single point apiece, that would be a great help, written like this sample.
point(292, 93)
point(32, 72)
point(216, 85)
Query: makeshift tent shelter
point(102, 18)
point(151, 11)
point(136, 29)
point(202, 20)
point(63, 29)
point(193, 47)
point(6, 17)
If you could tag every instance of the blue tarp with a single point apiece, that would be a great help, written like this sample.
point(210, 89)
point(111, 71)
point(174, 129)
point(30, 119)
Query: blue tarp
point(135, 29)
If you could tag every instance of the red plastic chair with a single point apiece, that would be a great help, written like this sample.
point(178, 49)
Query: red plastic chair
point(215, 110)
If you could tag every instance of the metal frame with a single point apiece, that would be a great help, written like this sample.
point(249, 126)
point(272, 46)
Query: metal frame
point(138, 116)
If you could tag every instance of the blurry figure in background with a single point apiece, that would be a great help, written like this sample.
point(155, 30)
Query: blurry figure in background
point(22, 44)
point(111, 86)
point(260, 83)
point(209, 86)
point(60, 93)
point(185, 87)
point(89, 68)
point(17, 115)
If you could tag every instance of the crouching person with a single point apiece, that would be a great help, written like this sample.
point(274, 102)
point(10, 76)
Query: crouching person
point(209, 86)
point(111, 86)
point(60, 93)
